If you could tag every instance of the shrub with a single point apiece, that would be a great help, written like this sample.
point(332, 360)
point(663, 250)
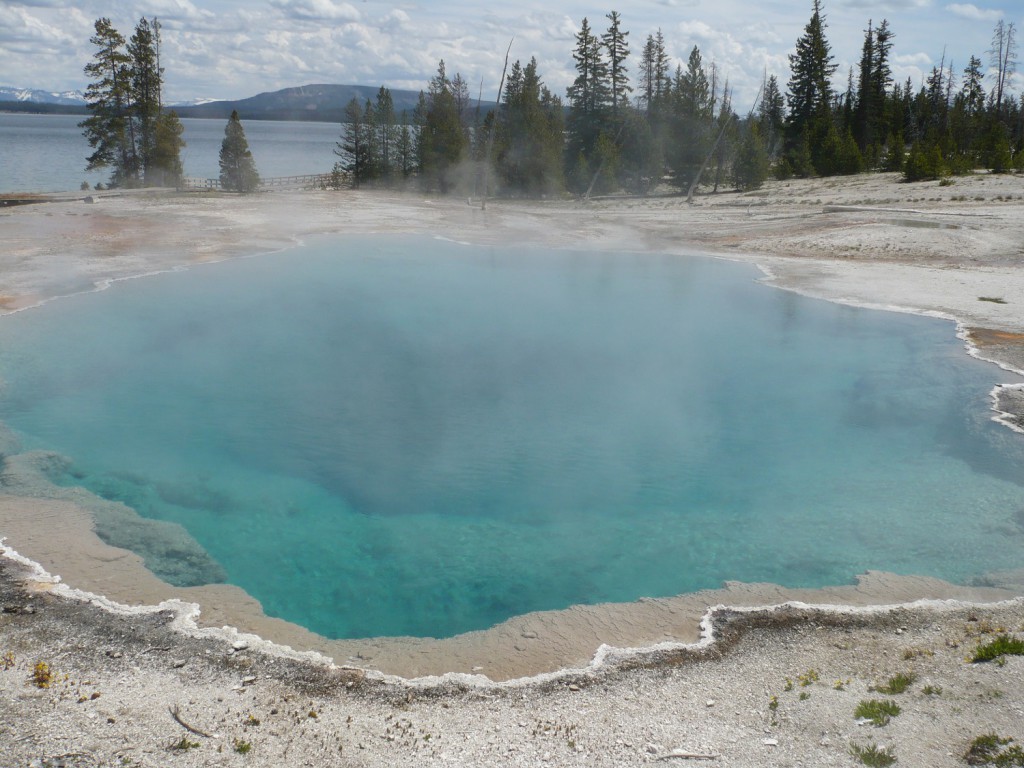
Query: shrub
point(878, 711)
point(924, 163)
point(897, 683)
point(43, 675)
point(873, 755)
point(1003, 645)
point(991, 749)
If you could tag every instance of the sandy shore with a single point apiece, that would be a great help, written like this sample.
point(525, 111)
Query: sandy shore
point(949, 251)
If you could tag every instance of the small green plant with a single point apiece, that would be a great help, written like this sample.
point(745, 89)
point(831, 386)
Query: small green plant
point(7, 660)
point(898, 683)
point(773, 703)
point(992, 749)
point(804, 695)
point(932, 690)
point(241, 747)
point(184, 745)
point(1003, 645)
point(788, 686)
point(873, 755)
point(878, 711)
point(993, 299)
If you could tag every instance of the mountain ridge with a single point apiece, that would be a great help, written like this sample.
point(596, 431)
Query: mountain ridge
point(322, 102)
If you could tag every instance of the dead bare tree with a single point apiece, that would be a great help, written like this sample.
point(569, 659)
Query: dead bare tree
point(721, 133)
point(489, 159)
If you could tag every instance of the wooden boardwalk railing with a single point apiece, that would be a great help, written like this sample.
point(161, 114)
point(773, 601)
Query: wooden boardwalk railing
point(308, 181)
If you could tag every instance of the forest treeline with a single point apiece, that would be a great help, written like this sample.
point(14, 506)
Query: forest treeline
point(617, 130)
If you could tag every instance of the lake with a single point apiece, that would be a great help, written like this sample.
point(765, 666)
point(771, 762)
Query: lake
point(47, 153)
point(402, 436)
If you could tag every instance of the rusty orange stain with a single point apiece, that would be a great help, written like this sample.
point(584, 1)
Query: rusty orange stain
point(986, 337)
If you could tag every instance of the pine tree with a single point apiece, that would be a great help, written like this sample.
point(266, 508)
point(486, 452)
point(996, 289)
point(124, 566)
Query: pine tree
point(405, 149)
point(529, 134)
point(237, 168)
point(165, 167)
point(589, 103)
point(866, 104)
point(442, 139)
point(146, 85)
point(617, 46)
point(751, 167)
point(771, 116)
point(810, 90)
point(125, 101)
point(655, 78)
point(354, 149)
point(387, 133)
point(967, 117)
point(692, 120)
point(108, 97)
point(881, 71)
point(647, 74)
point(373, 148)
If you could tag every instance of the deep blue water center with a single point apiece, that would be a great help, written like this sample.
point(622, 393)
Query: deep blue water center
point(397, 436)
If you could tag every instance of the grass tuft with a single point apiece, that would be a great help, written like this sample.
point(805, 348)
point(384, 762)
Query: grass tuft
point(992, 749)
point(872, 755)
point(1003, 645)
point(898, 683)
point(878, 711)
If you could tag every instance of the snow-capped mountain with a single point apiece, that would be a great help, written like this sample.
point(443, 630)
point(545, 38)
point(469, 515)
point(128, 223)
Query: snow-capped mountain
point(193, 103)
point(37, 96)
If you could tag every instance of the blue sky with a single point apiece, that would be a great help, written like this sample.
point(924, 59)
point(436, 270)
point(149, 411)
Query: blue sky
point(236, 48)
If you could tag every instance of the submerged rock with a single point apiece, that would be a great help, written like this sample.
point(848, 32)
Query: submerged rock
point(167, 549)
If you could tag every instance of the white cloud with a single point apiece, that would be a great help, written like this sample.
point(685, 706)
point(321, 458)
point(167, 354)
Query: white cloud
point(887, 5)
point(176, 10)
point(317, 10)
point(920, 60)
point(237, 48)
point(973, 12)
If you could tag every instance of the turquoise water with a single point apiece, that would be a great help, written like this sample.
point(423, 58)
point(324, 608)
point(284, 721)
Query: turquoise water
point(387, 436)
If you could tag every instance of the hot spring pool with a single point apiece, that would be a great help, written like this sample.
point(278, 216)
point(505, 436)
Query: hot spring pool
point(398, 436)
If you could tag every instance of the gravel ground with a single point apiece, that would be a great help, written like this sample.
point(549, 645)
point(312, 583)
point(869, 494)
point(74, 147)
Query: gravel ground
point(775, 687)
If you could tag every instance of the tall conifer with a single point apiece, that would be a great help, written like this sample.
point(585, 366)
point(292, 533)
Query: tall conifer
point(237, 167)
point(616, 43)
point(810, 93)
point(108, 97)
